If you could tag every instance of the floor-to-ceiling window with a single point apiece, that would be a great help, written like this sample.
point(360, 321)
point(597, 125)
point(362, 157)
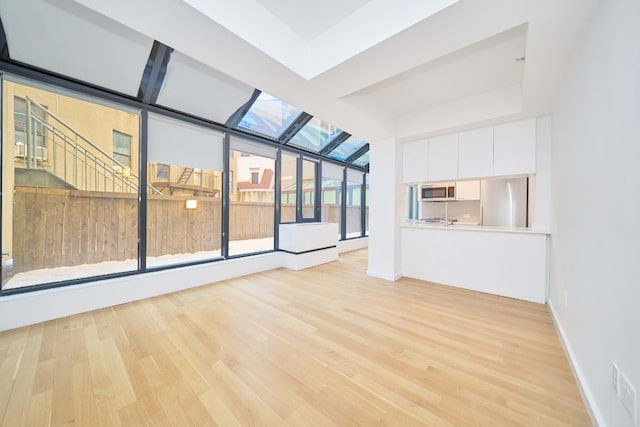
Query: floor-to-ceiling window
point(252, 197)
point(184, 195)
point(69, 200)
point(73, 193)
point(354, 203)
point(288, 187)
point(309, 168)
point(332, 177)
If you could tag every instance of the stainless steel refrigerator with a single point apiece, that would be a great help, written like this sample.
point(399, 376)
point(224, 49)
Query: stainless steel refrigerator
point(503, 202)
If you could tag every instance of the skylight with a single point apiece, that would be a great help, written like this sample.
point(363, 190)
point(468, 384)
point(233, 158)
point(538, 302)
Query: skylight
point(347, 148)
point(269, 116)
point(315, 135)
point(272, 118)
point(363, 160)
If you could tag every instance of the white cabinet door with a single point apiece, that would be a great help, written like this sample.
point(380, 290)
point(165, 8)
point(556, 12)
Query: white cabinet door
point(443, 158)
point(514, 148)
point(475, 153)
point(414, 161)
point(468, 190)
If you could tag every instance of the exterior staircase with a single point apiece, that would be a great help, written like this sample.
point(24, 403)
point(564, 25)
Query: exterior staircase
point(185, 176)
point(54, 146)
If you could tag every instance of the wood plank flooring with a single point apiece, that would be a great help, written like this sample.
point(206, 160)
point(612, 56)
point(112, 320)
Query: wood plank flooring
point(327, 346)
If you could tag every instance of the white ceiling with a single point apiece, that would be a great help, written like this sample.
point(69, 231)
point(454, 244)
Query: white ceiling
point(485, 66)
point(309, 19)
point(335, 39)
point(380, 68)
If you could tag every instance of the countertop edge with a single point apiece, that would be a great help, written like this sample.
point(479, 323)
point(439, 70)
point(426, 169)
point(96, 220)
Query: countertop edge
point(480, 228)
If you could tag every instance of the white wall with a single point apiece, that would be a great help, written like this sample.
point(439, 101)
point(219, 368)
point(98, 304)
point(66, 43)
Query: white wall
point(595, 218)
point(386, 209)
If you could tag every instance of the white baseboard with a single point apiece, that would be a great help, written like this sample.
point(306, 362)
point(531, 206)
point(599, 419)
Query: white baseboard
point(588, 398)
point(352, 244)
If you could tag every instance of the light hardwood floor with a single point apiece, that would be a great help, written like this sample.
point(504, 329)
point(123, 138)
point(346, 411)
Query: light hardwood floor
point(324, 346)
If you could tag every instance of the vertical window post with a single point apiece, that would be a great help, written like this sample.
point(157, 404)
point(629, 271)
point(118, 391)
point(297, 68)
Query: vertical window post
point(142, 188)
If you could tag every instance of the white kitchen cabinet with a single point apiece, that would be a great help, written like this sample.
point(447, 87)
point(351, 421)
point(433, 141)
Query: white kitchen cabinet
point(468, 190)
point(514, 148)
point(414, 161)
point(475, 153)
point(443, 158)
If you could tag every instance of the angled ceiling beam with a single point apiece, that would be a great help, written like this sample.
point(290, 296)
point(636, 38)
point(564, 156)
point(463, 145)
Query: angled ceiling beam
point(154, 73)
point(339, 139)
point(234, 120)
point(295, 127)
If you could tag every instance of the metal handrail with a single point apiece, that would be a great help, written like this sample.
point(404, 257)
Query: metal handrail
point(76, 147)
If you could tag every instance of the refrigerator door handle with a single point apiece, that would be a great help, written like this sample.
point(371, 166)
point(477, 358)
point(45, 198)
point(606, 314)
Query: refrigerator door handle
point(481, 215)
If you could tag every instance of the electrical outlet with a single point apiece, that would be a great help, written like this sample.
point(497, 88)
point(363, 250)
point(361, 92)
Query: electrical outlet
point(628, 397)
point(615, 377)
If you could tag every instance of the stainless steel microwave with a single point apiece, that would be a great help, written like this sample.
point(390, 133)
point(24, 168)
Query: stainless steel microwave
point(438, 192)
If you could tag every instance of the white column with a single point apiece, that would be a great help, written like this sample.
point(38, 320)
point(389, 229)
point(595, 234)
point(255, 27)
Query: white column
point(542, 193)
point(386, 209)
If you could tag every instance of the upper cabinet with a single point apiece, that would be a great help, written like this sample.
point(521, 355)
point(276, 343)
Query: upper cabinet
point(514, 148)
point(415, 155)
point(475, 155)
point(443, 158)
point(508, 149)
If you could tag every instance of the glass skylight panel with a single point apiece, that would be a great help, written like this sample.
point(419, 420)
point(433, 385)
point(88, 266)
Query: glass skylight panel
point(347, 148)
point(362, 160)
point(269, 116)
point(315, 135)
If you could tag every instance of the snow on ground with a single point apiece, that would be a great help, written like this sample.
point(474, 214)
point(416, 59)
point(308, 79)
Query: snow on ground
point(57, 274)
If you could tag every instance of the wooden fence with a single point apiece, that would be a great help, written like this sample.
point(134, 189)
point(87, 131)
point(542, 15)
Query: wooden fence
point(61, 227)
point(55, 227)
point(174, 229)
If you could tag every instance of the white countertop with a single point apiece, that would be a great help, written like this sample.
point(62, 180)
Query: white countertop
point(468, 227)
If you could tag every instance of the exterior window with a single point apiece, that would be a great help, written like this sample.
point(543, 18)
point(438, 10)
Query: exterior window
point(122, 148)
point(162, 172)
point(332, 177)
point(184, 210)
point(289, 184)
point(354, 203)
point(67, 213)
point(255, 176)
point(252, 205)
point(308, 189)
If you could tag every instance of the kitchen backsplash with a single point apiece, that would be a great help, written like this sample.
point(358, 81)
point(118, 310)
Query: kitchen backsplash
point(463, 211)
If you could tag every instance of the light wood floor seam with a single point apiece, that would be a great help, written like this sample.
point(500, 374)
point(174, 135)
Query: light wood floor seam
point(327, 346)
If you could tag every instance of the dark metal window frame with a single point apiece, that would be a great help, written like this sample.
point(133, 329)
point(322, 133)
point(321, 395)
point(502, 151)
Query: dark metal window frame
point(65, 83)
point(286, 135)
